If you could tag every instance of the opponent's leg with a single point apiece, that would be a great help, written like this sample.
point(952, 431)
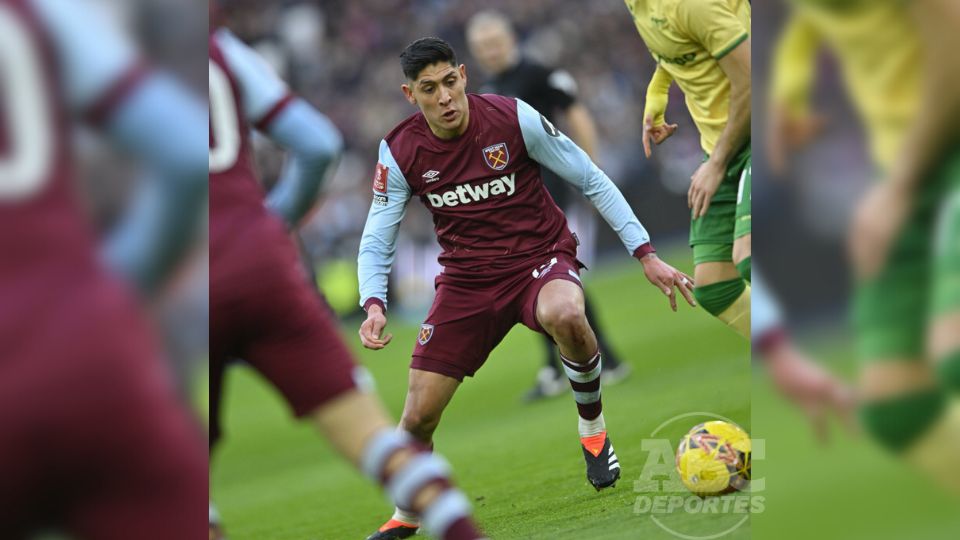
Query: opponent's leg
point(905, 407)
point(721, 291)
point(560, 311)
point(906, 411)
point(415, 478)
point(721, 288)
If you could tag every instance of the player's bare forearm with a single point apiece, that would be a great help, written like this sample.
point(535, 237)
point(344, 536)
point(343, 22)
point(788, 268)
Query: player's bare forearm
point(790, 123)
point(736, 66)
point(583, 129)
point(936, 123)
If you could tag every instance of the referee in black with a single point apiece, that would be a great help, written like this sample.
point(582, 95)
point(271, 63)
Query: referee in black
point(552, 92)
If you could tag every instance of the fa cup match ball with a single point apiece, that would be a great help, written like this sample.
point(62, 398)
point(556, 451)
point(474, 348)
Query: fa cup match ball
point(713, 458)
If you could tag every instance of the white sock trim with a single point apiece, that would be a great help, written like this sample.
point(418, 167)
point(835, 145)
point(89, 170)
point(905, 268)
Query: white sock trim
point(445, 510)
point(582, 377)
point(588, 428)
point(407, 517)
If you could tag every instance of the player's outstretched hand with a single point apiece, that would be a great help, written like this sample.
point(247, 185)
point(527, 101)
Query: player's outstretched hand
point(657, 134)
point(704, 184)
point(372, 328)
point(665, 277)
point(811, 388)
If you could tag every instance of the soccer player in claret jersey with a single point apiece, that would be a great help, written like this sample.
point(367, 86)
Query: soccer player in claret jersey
point(508, 257)
point(704, 45)
point(262, 308)
point(553, 93)
point(95, 443)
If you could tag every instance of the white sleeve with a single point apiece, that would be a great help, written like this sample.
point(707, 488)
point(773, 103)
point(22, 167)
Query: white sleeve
point(379, 241)
point(261, 88)
point(94, 52)
point(555, 151)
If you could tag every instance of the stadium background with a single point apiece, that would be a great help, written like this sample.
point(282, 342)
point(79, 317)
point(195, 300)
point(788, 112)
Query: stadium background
point(519, 464)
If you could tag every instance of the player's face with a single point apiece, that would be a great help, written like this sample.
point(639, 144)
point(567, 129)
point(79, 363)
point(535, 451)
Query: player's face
point(492, 46)
point(440, 92)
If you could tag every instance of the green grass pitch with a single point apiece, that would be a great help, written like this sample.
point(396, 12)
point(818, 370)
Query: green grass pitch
point(521, 465)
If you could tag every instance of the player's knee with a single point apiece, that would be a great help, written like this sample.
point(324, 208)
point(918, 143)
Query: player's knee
point(897, 422)
point(717, 297)
point(420, 424)
point(565, 321)
point(948, 371)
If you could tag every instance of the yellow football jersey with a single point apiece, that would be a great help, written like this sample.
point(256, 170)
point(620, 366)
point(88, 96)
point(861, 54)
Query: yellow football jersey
point(686, 38)
point(878, 50)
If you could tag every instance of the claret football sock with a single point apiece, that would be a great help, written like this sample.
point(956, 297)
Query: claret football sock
point(446, 515)
point(585, 380)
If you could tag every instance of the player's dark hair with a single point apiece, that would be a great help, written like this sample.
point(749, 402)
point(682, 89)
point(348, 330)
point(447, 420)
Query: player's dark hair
point(424, 52)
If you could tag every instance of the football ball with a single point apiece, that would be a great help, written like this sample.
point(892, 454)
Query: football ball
point(713, 458)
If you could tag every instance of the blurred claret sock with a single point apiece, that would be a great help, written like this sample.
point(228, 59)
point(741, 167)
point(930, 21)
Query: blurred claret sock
point(418, 480)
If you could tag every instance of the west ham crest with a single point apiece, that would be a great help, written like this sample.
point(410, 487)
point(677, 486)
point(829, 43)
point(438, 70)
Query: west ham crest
point(497, 156)
point(426, 332)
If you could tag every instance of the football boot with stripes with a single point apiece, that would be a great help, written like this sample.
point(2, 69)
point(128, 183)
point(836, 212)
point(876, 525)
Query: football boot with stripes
point(603, 467)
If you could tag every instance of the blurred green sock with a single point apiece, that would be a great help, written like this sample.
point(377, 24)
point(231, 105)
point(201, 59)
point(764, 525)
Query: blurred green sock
point(896, 423)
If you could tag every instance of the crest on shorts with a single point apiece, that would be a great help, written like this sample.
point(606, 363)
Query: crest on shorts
point(497, 156)
point(426, 332)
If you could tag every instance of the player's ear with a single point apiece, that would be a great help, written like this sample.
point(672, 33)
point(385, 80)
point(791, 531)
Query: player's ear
point(463, 72)
point(408, 93)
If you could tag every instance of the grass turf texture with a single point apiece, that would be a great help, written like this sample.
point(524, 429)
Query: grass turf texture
point(845, 489)
point(521, 465)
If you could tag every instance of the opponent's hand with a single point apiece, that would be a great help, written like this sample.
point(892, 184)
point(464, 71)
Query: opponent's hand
point(665, 277)
point(372, 328)
point(878, 219)
point(704, 184)
point(657, 134)
point(814, 391)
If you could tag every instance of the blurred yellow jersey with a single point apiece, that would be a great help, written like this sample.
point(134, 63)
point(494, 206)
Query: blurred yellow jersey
point(878, 49)
point(686, 38)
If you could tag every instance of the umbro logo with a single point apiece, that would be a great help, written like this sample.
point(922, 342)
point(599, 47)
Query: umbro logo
point(431, 176)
